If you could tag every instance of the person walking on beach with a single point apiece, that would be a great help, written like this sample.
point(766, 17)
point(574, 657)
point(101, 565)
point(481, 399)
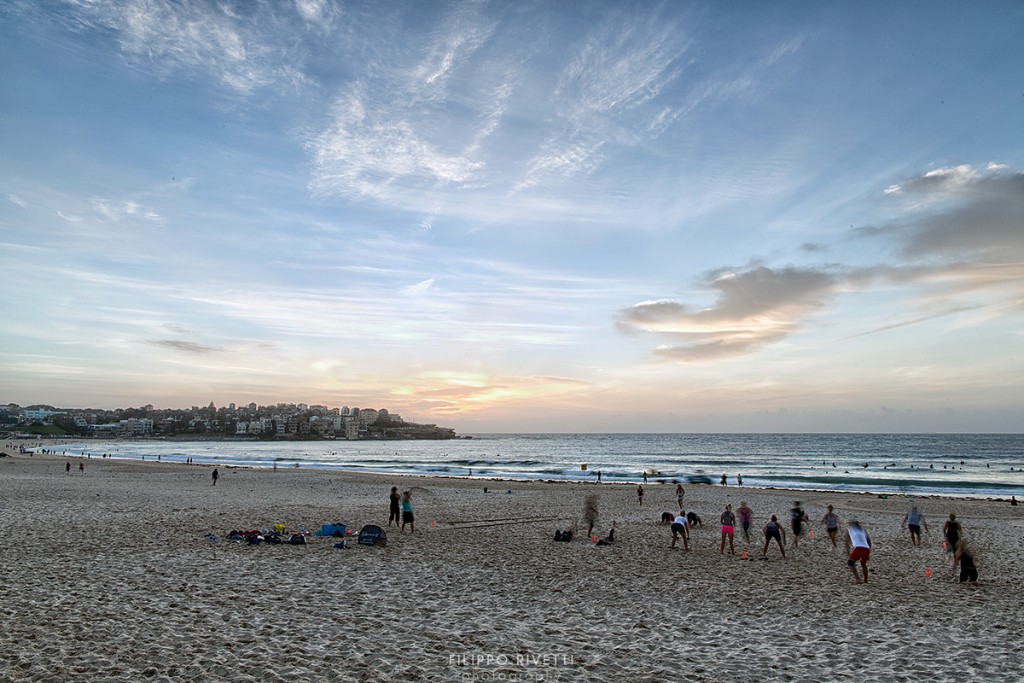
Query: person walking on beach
point(728, 520)
point(774, 530)
point(831, 522)
point(797, 517)
point(968, 570)
point(679, 530)
point(215, 475)
point(746, 517)
point(81, 467)
point(679, 495)
point(590, 513)
point(644, 473)
point(67, 467)
point(640, 494)
point(913, 521)
point(395, 499)
point(858, 545)
point(407, 517)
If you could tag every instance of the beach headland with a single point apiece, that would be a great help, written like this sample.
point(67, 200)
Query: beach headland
point(108, 575)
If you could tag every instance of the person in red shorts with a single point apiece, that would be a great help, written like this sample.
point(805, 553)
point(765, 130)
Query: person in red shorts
point(858, 545)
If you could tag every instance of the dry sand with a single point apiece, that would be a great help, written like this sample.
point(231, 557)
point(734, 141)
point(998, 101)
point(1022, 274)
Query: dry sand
point(107, 575)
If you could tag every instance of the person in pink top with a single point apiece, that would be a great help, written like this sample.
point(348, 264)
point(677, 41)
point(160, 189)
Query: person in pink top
point(746, 517)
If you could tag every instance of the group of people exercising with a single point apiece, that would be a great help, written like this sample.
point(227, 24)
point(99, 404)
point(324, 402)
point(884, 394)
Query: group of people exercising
point(856, 540)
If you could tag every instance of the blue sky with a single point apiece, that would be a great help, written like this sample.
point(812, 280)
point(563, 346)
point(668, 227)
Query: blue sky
point(571, 216)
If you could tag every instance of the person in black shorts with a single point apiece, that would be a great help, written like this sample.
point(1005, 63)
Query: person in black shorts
point(396, 510)
point(774, 530)
point(798, 517)
point(913, 521)
point(407, 516)
point(963, 555)
point(952, 532)
point(679, 530)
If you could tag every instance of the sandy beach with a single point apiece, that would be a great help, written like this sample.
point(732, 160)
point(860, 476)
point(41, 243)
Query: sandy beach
point(108, 575)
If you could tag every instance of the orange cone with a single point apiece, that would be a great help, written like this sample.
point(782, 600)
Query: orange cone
point(744, 553)
point(927, 572)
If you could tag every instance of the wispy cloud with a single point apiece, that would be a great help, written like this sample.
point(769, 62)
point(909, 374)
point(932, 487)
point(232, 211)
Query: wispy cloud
point(370, 147)
point(239, 46)
point(186, 346)
point(123, 209)
point(600, 95)
point(419, 288)
point(322, 14)
point(458, 119)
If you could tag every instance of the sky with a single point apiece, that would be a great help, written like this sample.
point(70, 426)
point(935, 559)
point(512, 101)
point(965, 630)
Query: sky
point(519, 217)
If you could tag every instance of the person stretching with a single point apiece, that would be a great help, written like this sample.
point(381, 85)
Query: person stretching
point(679, 530)
point(774, 530)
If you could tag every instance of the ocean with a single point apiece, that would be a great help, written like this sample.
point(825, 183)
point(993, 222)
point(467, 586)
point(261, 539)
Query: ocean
point(973, 465)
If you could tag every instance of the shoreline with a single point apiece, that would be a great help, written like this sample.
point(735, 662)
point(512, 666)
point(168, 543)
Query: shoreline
point(882, 494)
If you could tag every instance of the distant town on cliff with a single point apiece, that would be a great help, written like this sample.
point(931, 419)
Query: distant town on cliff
point(279, 421)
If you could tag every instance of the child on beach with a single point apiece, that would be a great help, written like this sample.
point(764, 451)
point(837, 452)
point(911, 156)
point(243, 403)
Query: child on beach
point(679, 495)
point(640, 493)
